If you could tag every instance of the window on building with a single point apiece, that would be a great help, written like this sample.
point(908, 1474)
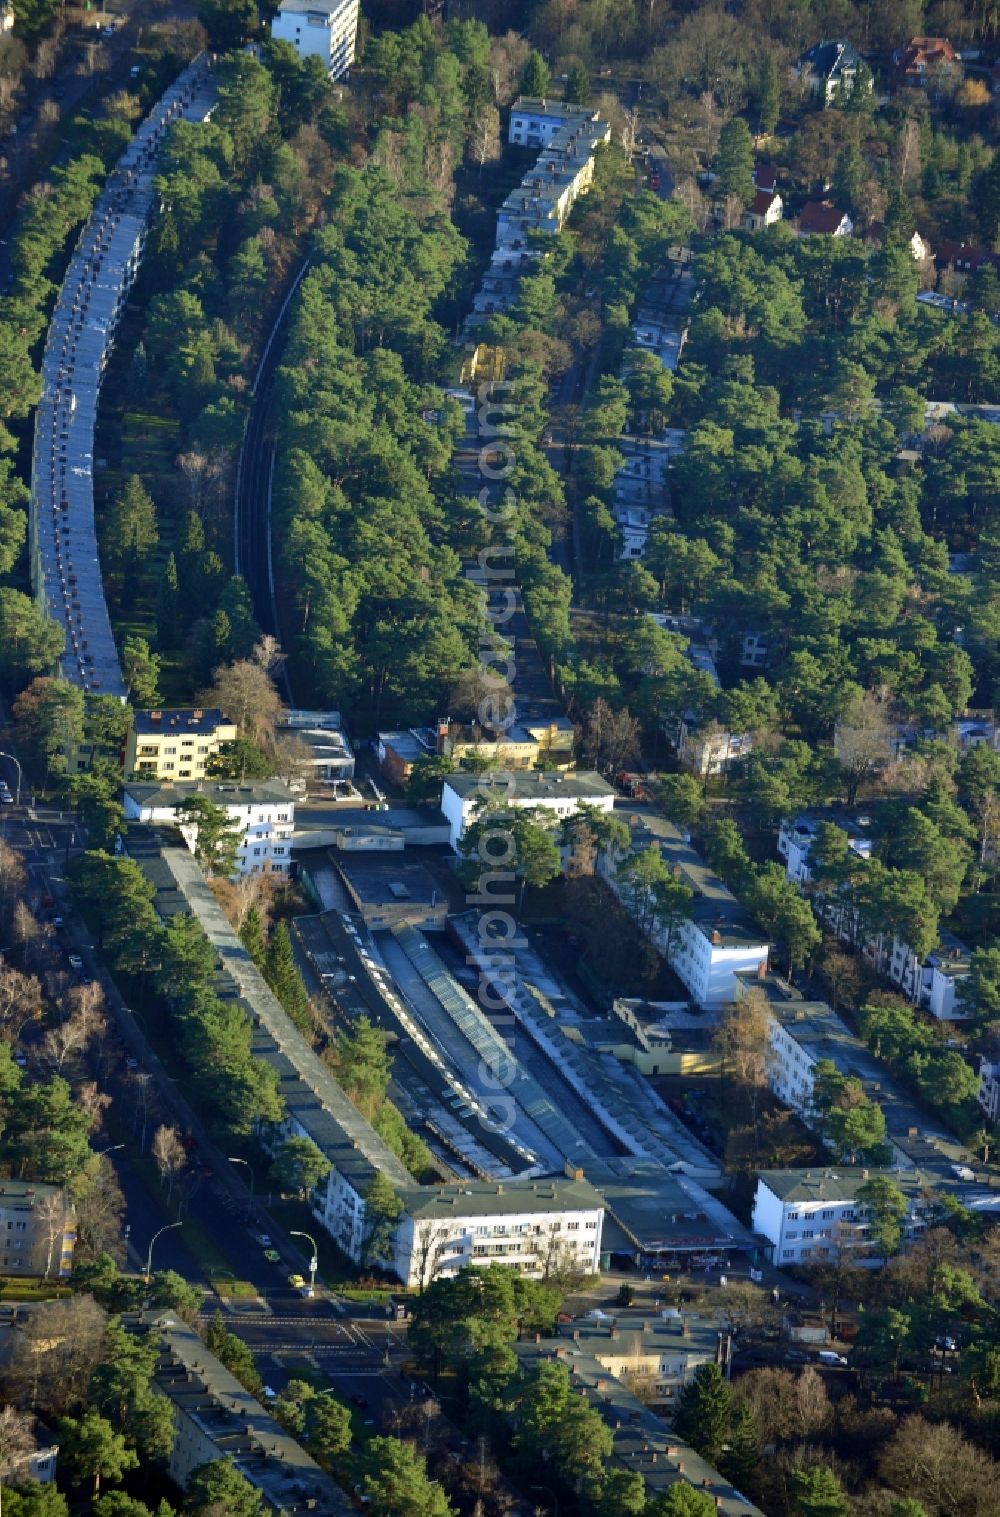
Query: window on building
point(807, 1232)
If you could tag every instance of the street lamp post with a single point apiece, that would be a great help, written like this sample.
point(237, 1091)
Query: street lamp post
point(233, 1159)
point(149, 1255)
point(314, 1261)
point(17, 765)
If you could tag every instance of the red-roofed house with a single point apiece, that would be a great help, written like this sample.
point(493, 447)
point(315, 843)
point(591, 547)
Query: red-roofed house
point(963, 257)
point(764, 210)
point(824, 219)
point(925, 59)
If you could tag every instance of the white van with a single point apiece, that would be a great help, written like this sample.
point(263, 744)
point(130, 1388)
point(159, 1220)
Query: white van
point(827, 1356)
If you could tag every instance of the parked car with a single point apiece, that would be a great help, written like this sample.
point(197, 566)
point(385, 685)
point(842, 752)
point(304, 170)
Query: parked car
point(75, 962)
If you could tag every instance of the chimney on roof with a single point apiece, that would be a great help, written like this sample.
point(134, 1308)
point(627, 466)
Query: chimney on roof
point(156, 716)
point(716, 936)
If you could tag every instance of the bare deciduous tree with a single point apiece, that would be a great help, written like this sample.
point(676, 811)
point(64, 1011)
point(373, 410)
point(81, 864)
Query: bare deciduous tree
point(863, 742)
point(17, 1440)
point(53, 1354)
point(20, 1001)
point(169, 1154)
point(246, 693)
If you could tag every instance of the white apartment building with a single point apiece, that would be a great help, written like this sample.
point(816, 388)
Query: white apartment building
point(796, 836)
point(532, 1226)
point(463, 796)
point(324, 29)
point(717, 943)
point(263, 813)
point(810, 1216)
point(932, 983)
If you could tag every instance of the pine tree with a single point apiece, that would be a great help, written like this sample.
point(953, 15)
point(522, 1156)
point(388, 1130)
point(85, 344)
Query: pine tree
point(768, 95)
point(535, 77)
point(252, 936)
point(281, 973)
point(578, 85)
point(131, 533)
point(743, 1454)
point(734, 165)
point(702, 1415)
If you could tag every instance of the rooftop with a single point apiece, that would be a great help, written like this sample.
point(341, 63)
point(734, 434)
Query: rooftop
point(386, 880)
point(311, 1095)
point(643, 1442)
point(410, 743)
point(485, 1198)
point(714, 908)
point(65, 567)
point(531, 105)
point(202, 1389)
point(315, 7)
point(25, 1193)
point(653, 1209)
point(820, 216)
point(583, 785)
point(219, 792)
point(799, 1185)
point(189, 719)
point(829, 59)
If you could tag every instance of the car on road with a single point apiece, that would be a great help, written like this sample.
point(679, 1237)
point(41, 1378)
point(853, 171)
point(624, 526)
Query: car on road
point(307, 1291)
point(75, 962)
point(272, 1256)
point(57, 922)
point(6, 799)
point(296, 1281)
point(135, 71)
point(264, 1239)
point(270, 1394)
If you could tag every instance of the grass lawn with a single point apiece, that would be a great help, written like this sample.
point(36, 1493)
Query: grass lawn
point(13, 1288)
point(235, 1290)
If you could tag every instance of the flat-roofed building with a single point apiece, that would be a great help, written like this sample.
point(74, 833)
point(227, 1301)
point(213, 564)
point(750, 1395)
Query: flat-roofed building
point(531, 1226)
point(175, 744)
point(215, 1418)
point(810, 1216)
point(389, 893)
point(262, 813)
point(320, 745)
point(399, 750)
point(718, 940)
point(463, 795)
point(323, 29)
